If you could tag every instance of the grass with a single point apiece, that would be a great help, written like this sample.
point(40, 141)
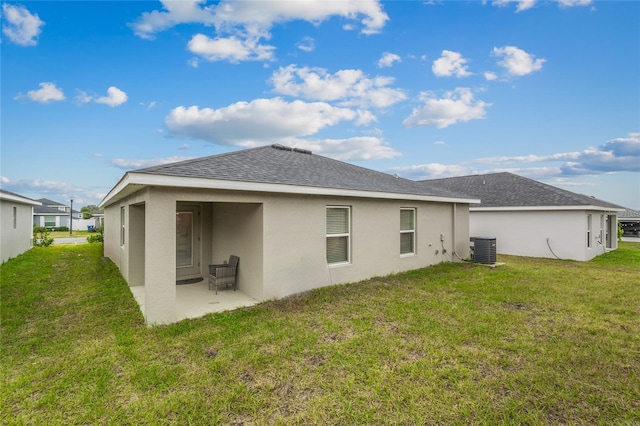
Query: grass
point(532, 342)
point(65, 234)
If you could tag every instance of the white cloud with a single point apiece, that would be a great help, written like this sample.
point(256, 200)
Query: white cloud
point(490, 76)
point(615, 155)
point(233, 49)
point(429, 171)
point(139, 163)
point(348, 87)
point(48, 92)
point(259, 122)
point(148, 106)
point(521, 4)
point(21, 26)
point(174, 13)
point(241, 25)
point(456, 106)
point(83, 97)
point(531, 158)
point(516, 61)
point(388, 59)
point(307, 44)
point(573, 3)
point(114, 98)
point(349, 149)
point(55, 190)
point(450, 63)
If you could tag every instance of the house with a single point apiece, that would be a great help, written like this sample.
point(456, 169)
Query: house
point(16, 230)
point(530, 218)
point(297, 221)
point(52, 214)
point(630, 222)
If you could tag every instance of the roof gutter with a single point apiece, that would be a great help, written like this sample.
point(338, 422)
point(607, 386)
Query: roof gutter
point(545, 208)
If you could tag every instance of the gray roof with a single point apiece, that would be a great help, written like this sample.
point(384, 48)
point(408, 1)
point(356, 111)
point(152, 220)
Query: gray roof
point(510, 190)
point(25, 200)
point(629, 214)
point(47, 208)
point(48, 202)
point(276, 164)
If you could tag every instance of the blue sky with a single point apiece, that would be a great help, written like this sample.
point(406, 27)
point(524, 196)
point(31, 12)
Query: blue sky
point(545, 89)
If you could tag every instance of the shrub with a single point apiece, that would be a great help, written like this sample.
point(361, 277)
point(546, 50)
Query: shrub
point(41, 236)
point(620, 231)
point(96, 238)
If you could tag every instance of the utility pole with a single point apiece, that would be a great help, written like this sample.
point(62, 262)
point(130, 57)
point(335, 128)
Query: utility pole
point(71, 219)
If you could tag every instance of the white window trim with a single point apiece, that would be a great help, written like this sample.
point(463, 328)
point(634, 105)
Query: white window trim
point(412, 231)
point(122, 226)
point(589, 230)
point(348, 235)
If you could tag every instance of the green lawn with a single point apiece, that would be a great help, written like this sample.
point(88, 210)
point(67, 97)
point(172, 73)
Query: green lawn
point(532, 342)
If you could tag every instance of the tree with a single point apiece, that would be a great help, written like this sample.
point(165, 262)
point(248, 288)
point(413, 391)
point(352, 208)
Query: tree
point(89, 211)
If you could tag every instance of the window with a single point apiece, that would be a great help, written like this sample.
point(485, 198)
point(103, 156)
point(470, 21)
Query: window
point(407, 231)
point(122, 226)
point(49, 221)
point(588, 230)
point(15, 217)
point(338, 235)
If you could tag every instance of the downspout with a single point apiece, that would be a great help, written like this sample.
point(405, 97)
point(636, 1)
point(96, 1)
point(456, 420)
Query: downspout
point(453, 229)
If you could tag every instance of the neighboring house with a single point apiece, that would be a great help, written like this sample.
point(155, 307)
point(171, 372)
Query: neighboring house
point(630, 222)
point(16, 230)
point(52, 214)
point(298, 221)
point(530, 218)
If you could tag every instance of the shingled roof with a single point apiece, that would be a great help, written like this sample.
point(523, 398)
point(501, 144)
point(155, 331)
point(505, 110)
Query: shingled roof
point(277, 166)
point(509, 190)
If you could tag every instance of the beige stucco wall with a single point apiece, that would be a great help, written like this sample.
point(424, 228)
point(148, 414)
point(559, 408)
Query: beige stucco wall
point(279, 238)
point(525, 233)
point(295, 238)
point(15, 241)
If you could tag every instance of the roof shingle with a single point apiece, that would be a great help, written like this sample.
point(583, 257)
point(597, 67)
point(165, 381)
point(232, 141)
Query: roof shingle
point(510, 190)
point(277, 164)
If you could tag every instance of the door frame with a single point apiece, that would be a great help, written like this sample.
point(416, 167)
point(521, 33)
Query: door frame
point(195, 270)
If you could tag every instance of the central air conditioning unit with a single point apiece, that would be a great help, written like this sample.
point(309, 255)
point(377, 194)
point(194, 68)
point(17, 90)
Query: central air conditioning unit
point(483, 250)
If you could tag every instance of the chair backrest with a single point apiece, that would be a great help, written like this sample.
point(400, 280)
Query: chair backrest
point(233, 261)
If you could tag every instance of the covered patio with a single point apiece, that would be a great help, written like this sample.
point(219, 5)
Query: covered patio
point(196, 300)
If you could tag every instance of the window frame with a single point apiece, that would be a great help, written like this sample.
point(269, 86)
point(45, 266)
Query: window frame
point(122, 226)
point(15, 217)
point(50, 218)
point(409, 231)
point(589, 229)
point(346, 235)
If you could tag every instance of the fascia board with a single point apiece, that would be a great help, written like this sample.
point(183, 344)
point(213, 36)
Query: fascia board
point(544, 208)
point(143, 179)
point(19, 199)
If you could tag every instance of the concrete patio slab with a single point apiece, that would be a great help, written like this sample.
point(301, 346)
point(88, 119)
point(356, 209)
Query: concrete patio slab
point(196, 300)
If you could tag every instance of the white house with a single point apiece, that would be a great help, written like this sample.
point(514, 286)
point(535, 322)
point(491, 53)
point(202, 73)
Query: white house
point(296, 220)
point(16, 229)
point(630, 222)
point(52, 214)
point(530, 218)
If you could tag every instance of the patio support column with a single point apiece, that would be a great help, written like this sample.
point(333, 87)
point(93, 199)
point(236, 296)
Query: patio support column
point(160, 259)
